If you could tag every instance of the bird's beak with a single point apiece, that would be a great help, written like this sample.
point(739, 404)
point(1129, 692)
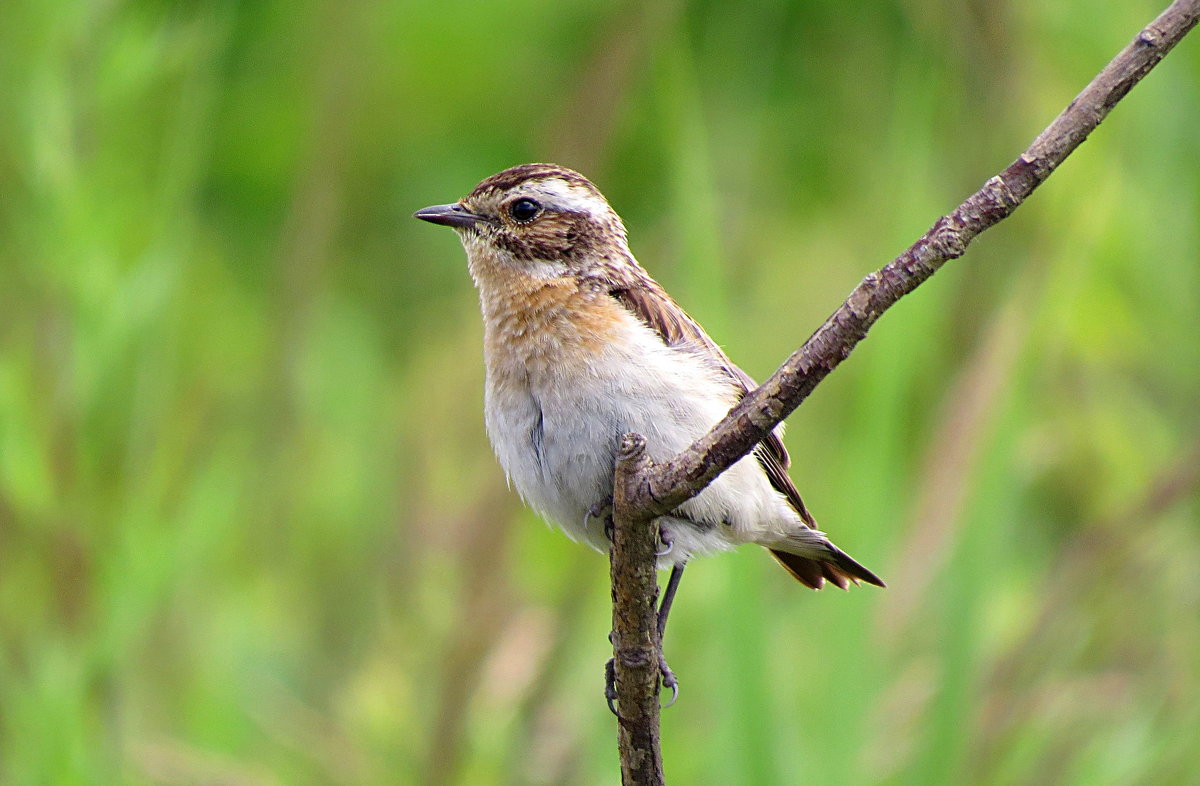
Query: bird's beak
point(454, 215)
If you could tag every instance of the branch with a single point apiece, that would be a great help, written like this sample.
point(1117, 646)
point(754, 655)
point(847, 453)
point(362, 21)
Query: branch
point(642, 492)
point(635, 632)
point(747, 424)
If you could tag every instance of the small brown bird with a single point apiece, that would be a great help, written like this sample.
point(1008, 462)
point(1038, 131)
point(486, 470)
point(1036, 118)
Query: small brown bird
point(582, 346)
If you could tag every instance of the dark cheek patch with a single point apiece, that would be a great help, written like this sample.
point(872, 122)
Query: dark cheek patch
point(554, 238)
point(516, 247)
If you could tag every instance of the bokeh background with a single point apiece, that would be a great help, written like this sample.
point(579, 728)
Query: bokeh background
point(251, 531)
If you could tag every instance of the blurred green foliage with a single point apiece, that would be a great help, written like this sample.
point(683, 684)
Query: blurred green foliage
point(251, 531)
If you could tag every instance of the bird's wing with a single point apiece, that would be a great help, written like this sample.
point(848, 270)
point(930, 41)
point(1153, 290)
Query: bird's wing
point(650, 303)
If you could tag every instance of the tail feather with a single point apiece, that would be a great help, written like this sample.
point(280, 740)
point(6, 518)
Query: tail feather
point(839, 569)
point(824, 561)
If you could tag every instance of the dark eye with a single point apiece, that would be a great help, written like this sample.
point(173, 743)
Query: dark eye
point(524, 210)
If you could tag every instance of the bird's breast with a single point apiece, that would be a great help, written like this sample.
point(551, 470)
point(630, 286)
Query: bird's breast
point(563, 388)
point(540, 328)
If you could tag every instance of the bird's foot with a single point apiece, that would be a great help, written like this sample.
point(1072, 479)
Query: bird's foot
point(610, 681)
point(665, 539)
point(668, 679)
point(602, 511)
point(610, 685)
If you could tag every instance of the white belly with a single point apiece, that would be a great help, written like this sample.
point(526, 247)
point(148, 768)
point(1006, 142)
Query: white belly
point(556, 430)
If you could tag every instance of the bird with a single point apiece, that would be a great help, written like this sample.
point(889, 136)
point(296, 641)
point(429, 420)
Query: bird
point(582, 346)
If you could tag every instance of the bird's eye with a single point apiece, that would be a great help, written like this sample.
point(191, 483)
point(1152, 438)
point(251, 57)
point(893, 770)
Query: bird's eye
point(524, 210)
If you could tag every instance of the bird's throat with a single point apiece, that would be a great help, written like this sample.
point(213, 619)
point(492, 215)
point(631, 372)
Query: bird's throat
point(544, 325)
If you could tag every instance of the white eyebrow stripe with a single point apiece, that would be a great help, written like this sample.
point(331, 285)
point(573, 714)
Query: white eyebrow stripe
point(569, 197)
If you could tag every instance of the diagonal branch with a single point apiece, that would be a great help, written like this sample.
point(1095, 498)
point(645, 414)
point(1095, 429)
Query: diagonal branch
point(750, 421)
point(645, 492)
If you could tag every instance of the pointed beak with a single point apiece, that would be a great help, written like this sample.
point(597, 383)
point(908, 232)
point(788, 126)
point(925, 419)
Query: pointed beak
point(454, 215)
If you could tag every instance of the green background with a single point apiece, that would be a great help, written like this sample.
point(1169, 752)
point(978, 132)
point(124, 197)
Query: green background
point(251, 531)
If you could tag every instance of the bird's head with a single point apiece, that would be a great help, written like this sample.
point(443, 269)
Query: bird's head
point(541, 220)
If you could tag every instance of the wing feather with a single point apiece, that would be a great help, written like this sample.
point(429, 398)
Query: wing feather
point(650, 303)
point(653, 306)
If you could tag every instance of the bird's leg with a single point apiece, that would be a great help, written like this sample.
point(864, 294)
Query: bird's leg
point(664, 609)
point(668, 676)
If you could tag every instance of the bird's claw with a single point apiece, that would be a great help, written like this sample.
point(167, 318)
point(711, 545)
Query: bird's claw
point(610, 683)
point(668, 542)
point(668, 680)
point(602, 511)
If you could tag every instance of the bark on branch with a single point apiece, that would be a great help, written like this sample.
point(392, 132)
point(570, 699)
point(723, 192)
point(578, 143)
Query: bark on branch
point(635, 632)
point(647, 492)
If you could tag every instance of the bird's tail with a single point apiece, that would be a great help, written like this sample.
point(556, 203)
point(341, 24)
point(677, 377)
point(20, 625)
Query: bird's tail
point(820, 561)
